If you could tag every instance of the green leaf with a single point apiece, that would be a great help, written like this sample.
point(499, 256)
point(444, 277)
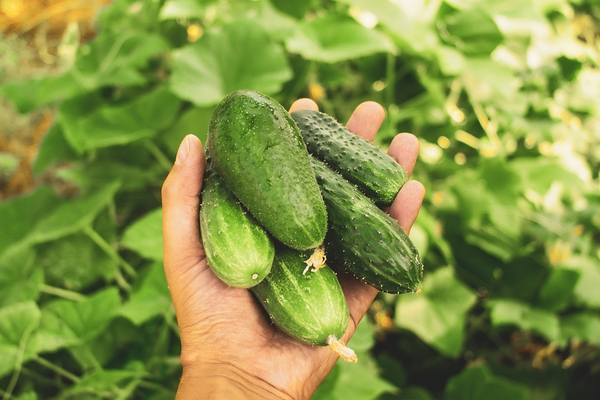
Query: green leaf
point(17, 343)
point(119, 124)
point(510, 312)
point(114, 58)
point(333, 38)
point(478, 383)
point(358, 381)
point(74, 262)
point(174, 9)
point(66, 323)
point(438, 314)
point(474, 32)
point(240, 56)
point(54, 148)
point(584, 325)
point(586, 289)
point(72, 215)
point(410, 34)
point(152, 298)
point(363, 339)
point(145, 235)
point(102, 381)
point(19, 214)
point(30, 94)
point(20, 277)
point(557, 290)
point(194, 120)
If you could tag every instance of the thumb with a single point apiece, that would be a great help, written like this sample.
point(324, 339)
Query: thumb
point(182, 248)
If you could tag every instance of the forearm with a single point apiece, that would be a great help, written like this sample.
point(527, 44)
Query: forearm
point(217, 382)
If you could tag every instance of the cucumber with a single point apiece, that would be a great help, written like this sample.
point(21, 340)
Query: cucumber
point(259, 153)
point(377, 174)
point(310, 308)
point(364, 240)
point(238, 249)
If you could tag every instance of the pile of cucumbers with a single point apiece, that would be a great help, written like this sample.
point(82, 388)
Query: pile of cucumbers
point(284, 192)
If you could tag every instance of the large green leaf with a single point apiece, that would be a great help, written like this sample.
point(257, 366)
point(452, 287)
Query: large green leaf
point(586, 289)
point(66, 323)
point(152, 298)
point(473, 32)
point(74, 262)
point(20, 276)
point(145, 235)
point(240, 56)
point(72, 215)
point(478, 383)
point(583, 325)
point(17, 339)
point(333, 38)
point(438, 314)
point(509, 312)
point(410, 34)
point(112, 125)
point(53, 149)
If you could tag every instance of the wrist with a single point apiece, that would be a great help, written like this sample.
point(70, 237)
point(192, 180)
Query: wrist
point(222, 381)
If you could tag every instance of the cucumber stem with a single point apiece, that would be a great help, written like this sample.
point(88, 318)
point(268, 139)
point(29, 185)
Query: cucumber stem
point(316, 260)
point(340, 348)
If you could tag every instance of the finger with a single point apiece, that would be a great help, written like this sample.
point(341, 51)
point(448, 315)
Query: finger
point(407, 204)
point(302, 104)
point(366, 120)
point(405, 149)
point(180, 202)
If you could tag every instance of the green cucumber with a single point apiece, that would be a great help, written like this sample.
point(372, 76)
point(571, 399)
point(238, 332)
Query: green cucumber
point(377, 174)
point(238, 249)
point(309, 307)
point(259, 153)
point(364, 240)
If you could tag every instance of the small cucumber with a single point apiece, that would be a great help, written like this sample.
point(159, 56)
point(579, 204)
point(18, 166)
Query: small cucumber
point(364, 240)
point(238, 249)
point(259, 153)
point(310, 308)
point(378, 175)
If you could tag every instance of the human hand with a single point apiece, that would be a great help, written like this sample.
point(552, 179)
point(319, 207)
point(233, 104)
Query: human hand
point(230, 349)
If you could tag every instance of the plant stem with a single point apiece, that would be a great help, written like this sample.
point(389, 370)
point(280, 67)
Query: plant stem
point(158, 154)
point(112, 253)
point(65, 294)
point(59, 370)
point(19, 362)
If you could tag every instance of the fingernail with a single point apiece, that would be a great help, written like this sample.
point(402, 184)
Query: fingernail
point(184, 150)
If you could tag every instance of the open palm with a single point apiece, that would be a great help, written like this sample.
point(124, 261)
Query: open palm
point(230, 349)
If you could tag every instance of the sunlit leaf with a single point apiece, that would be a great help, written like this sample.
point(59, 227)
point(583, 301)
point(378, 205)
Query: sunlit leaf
point(145, 235)
point(335, 38)
point(582, 326)
point(437, 315)
point(173, 9)
point(509, 312)
point(240, 56)
point(473, 32)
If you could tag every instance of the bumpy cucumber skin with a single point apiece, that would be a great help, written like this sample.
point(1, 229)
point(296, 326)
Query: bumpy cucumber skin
point(259, 153)
point(308, 307)
point(238, 249)
point(378, 175)
point(364, 240)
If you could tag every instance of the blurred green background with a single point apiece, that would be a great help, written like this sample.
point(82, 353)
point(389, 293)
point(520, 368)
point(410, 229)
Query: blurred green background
point(504, 96)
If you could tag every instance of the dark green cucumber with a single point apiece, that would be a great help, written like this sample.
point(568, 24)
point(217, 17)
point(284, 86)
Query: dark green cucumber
point(311, 307)
point(259, 153)
point(238, 249)
point(364, 240)
point(378, 175)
